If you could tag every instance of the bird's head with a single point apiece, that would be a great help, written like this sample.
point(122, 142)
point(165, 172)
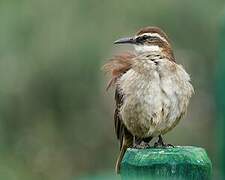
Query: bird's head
point(148, 39)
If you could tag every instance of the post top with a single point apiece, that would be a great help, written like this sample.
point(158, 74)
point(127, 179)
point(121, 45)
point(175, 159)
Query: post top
point(180, 161)
point(178, 154)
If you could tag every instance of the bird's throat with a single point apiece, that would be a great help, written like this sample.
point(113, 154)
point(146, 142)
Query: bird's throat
point(147, 48)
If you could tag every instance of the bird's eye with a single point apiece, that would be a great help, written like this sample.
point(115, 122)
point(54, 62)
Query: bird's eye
point(144, 37)
point(141, 39)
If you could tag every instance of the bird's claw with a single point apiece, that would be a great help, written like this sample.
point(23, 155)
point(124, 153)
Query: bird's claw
point(160, 143)
point(141, 146)
point(156, 145)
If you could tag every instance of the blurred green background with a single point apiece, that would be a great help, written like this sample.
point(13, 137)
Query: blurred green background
point(56, 119)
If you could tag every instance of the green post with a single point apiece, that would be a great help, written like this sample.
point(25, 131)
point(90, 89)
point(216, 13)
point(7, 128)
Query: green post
point(183, 162)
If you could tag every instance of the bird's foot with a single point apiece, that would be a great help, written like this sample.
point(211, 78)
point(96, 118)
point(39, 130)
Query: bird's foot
point(156, 145)
point(160, 143)
point(143, 145)
point(137, 146)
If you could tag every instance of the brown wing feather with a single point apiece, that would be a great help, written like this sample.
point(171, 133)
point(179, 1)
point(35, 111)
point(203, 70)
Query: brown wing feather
point(119, 126)
point(117, 66)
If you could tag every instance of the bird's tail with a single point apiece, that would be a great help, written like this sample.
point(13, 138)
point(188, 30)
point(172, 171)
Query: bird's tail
point(127, 142)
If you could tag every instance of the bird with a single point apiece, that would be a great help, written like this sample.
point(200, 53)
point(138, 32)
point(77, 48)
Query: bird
point(152, 91)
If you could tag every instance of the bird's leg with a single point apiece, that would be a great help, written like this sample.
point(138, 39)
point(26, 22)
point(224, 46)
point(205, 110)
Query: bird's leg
point(142, 143)
point(160, 143)
point(137, 142)
point(146, 142)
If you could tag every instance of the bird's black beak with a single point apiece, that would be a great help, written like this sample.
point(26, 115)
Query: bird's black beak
point(127, 40)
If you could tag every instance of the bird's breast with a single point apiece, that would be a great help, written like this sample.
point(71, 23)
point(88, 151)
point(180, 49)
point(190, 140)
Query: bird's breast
point(156, 96)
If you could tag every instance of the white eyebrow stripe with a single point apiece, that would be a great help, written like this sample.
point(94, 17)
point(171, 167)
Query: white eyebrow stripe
point(155, 35)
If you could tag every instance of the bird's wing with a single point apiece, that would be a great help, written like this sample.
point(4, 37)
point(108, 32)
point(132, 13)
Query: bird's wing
point(118, 123)
point(117, 66)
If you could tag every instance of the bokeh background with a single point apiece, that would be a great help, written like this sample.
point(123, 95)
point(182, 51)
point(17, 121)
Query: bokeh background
point(56, 119)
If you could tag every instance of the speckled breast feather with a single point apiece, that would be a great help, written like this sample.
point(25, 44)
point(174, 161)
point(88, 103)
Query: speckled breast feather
point(156, 95)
